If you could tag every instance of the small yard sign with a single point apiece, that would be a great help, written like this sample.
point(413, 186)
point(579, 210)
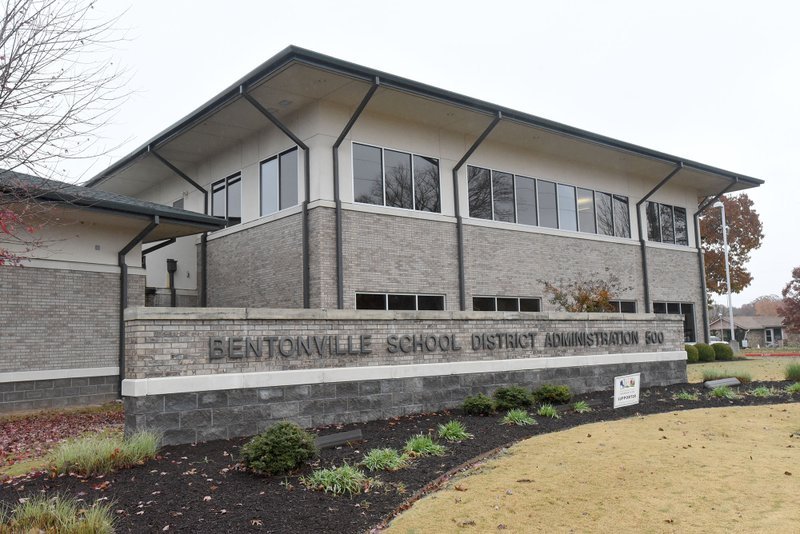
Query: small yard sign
point(626, 390)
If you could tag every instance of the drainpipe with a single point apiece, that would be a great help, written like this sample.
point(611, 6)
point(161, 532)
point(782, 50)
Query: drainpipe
point(172, 266)
point(642, 240)
point(204, 237)
point(123, 291)
point(462, 290)
point(700, 260)
point(337, 197)
point(307, 186)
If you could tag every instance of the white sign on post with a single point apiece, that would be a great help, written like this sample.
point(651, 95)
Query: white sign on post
point(626, 390)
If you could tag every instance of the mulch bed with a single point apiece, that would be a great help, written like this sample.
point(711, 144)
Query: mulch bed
point(197, 488)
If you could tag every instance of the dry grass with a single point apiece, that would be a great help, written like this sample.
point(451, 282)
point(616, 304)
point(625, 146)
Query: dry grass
point(762, 368)
point(707, 470)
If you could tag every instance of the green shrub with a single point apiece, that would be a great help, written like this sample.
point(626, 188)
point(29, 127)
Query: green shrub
point(794, 388)
point(453, 431)
point(763, 392)
point(102, 453)
point(384, 460)
point(705, 352)
point(722, 351)
point(512, 397)
point(422, 445)
point(547, 410)
point(338, 480)
point(518, 417)
point(479, 404)
point(549, 393)
point(686, 396)
point(582, 407)
point(692, 355)
point(723, 392)
point(279, 449)
point(793, 372)
point(58, 514)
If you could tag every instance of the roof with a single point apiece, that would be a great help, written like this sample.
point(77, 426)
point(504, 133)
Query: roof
point(756, 322)
point(295, 55)
point(44, 190)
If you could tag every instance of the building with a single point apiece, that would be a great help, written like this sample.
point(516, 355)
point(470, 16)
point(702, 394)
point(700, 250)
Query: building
point(756, 331)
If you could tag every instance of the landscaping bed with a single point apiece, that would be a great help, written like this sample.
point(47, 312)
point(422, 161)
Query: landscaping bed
point(199, 488)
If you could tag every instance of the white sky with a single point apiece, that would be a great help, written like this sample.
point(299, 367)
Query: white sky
point(713, 81)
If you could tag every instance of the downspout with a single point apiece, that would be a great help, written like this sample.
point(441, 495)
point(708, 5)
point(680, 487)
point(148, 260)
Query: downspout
point(700, 260)
point(172, 266)
point(123, 291)
point(462, 289)
point(307, 186)
point(204, 236)
point(643, 241)
point(337, 197)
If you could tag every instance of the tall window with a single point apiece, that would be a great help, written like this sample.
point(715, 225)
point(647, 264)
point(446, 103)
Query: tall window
point(226, 199)
point(667, 224)
point(279, 182)
point(396, 179)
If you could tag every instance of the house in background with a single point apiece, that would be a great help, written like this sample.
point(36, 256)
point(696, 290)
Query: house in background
point(758, 331)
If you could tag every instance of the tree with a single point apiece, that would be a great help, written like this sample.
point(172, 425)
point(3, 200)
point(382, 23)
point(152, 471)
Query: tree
point(57, 87)
point(745, 233)
point(790, 307)
point(591, 293)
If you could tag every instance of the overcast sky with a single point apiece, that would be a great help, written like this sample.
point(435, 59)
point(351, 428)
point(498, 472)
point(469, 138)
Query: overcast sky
point(716, 82)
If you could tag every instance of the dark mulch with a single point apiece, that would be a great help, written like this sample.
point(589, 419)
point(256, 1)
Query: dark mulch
point(195, 488)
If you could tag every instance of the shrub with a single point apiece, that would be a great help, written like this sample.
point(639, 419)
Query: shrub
point(97, 454)
point(547, 410)
point(793, 372)
point(453, 431)
point(549, 393)
point(692, 355)
point(58, 514)
point(722, 351)
point(705, 352)
point(479, 404)
point(686, 396)
point(384, 459)
point(422, 445)
point(518, 417)
point(763, 392)
point(794, 388)
point(582, 407)
point(512, 397)
point(279, 449)
point(338, 480)
point(723, 392)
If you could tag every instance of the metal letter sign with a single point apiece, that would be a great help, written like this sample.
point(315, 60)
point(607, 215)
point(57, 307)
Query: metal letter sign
point(626, 390)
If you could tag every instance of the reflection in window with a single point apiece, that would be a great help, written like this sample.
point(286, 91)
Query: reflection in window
point(681, 232)
point(226, 199)
point(503, 192)
point(653, 225)
point(586, 210)
point(399, 192)
point(667, 224)
point(548, 211)
point(605, 217)
point(426, 184)
point(288, 178)
point(279, 182)
point(667, 228)
point(479, 185)
point(367, 174)
point(622, 217)
point(526, 200)
point(567, 213)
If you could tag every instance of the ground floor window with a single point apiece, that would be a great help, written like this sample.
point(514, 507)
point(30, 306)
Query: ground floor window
point(679, 308)
point(624, 306)
point(398, 301)
point(524, 304)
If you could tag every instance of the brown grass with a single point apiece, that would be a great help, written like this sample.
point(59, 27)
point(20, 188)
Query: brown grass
point(707, 470)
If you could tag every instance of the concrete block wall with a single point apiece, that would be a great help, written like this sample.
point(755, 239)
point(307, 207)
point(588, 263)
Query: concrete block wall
point(57, 393)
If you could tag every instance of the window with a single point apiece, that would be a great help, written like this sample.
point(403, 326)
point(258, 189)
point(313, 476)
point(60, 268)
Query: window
point(622, 217)
point(548, 210)
point(586, 219)
point(567, 212)
point(524, 304)
point(526, 200)
point(279, 182)
point(624, 306)
point(679, 308)
point(398, 301)
point(395, 179)
point(667, 224)
point(226, 199)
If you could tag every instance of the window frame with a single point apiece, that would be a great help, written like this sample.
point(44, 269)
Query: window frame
point(387, 294)
point(277, 158)
point(666, 305)
point(226, 183)
point(658, 207)
point(496, 297)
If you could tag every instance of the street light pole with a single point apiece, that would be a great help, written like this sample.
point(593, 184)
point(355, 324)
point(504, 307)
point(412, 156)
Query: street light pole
point(727, 267)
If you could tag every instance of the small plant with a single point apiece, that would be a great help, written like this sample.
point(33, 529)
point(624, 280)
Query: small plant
point(279, 449)
point(724, 392)
point(338, 480)
point(518, 417)
point(102, 453)
point(763, 391)
point(793, 388)
point(551, 394)
point(479, 404)
point(453, 431)
point(512, 397)
point(582, 407)
point(58, 514)
point(705, 352)
point(692, 355)
point(547, 410)
point(384, 460)
point(722, 351)
point(686, 396)
point(793, 372)
point(422, 445)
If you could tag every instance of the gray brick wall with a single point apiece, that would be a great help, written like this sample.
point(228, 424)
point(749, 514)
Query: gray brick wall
point(57, 393)
point(322, 260)
point(675, 277)
point(209, 415)
point(60, 319)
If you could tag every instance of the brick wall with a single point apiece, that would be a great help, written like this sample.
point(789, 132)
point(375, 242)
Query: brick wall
point(322, 257)
point(675, 277)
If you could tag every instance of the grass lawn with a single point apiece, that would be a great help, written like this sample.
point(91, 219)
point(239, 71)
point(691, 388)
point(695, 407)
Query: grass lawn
point(721, 469)
point(761, 368)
